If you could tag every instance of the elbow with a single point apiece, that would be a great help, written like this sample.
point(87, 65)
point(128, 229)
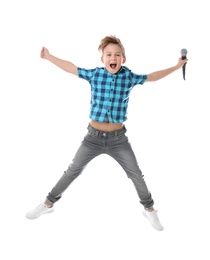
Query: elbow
point(67, 70)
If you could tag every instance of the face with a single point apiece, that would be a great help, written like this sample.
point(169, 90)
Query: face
point(113, 58)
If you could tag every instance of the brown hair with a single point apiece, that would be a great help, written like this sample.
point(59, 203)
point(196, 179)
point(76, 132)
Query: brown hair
point(111, 39)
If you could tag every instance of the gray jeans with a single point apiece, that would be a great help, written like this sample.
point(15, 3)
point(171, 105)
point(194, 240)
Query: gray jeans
point(116, 145)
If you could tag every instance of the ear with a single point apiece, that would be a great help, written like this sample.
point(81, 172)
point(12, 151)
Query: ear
point(124, 60)
point(102, 59)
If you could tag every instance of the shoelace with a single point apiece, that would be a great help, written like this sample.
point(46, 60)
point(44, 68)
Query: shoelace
point(155, 216)
point(38, 208)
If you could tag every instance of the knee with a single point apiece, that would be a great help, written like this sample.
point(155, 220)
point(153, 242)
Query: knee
point(73, 170)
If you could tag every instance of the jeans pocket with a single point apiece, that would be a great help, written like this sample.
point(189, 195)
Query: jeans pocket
point(91, 134)
point(121, 137)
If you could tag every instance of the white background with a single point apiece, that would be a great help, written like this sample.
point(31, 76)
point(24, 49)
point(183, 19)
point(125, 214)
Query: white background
point(44, 114)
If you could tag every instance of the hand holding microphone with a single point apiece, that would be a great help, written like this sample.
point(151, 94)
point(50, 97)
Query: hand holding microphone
point(184, 57)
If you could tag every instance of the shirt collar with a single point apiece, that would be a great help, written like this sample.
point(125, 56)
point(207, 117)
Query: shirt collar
point(123, 68)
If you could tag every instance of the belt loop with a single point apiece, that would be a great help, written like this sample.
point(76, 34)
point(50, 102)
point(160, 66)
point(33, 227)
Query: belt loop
point(96, 133)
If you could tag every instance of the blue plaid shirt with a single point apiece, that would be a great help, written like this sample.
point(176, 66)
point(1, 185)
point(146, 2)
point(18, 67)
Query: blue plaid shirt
point(110, 92)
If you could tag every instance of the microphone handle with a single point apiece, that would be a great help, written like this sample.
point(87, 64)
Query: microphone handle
point(183, 70)
point(183, 67)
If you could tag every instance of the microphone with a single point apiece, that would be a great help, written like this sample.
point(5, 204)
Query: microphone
point(184, 57)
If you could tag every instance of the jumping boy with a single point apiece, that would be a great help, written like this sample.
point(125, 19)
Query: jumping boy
point(110, 89)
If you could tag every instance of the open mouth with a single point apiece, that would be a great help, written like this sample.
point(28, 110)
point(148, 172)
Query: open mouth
point(113, 65)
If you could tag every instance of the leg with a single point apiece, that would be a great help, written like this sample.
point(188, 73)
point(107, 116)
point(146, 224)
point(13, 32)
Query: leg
point(89, 149)
point(122, 152)
point(120, 149)
point(86, 152)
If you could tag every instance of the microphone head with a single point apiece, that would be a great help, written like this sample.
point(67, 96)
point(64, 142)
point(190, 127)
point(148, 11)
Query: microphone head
point(183, 52)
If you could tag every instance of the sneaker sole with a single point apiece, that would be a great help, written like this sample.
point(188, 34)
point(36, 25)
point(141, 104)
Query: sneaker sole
point(31, 218)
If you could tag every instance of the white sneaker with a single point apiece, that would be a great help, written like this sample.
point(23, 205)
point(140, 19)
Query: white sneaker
point(153, 219)
point(38, 211)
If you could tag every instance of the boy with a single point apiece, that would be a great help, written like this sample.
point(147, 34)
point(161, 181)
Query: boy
point(110, 89)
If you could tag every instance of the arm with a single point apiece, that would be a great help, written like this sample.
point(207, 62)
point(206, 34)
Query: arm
point(154, 76)
point(62, 64)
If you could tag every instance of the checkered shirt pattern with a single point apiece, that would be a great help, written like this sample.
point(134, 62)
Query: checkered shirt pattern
point(110, 92)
